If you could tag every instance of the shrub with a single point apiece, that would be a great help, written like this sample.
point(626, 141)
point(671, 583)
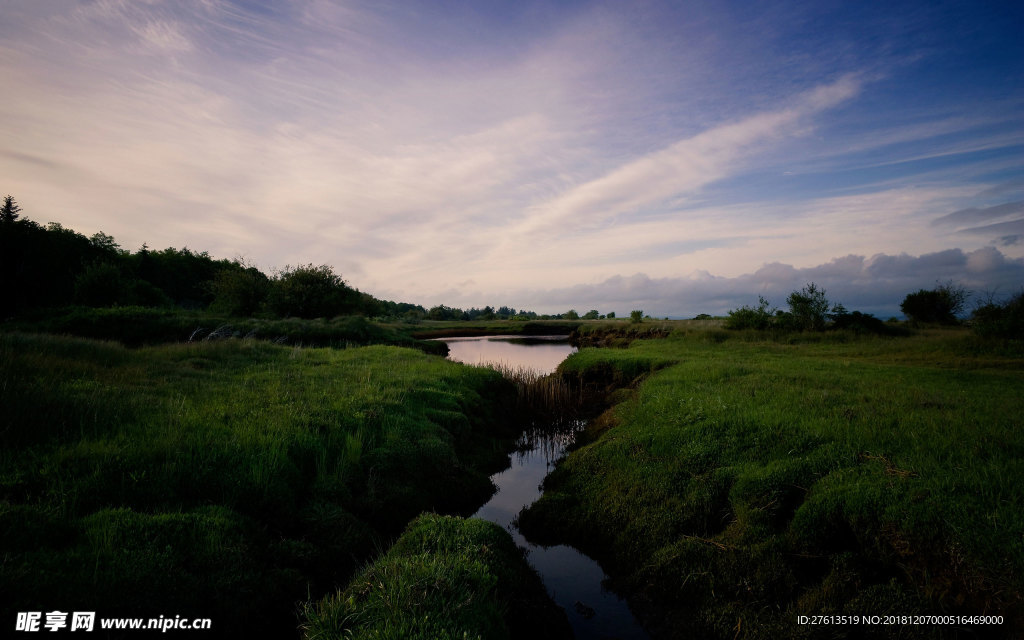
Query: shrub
point(747, 317)
point(808, 308)
point(239, 291)
point(940, 305)
point(310, 292)
point(100, 285)
point(1006, 320)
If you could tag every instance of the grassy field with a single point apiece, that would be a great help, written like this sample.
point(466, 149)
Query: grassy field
point(746, 481)
point(230, 479)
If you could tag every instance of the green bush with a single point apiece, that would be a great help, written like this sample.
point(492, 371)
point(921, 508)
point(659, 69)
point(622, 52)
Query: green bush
point(310, 292)
point(940, 305)
point(746, 317)
point(1006, 320)
point(240, 291)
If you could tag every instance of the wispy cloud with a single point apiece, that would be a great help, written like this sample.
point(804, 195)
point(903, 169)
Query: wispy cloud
point(682, 167)
point(427, 152)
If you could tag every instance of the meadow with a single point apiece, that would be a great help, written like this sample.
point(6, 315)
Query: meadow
point(232, 479)
point(743, 479)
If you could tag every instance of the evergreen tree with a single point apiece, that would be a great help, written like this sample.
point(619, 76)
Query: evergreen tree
point(9, 212)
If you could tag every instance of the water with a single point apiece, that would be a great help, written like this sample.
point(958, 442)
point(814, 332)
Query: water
point(574, 580)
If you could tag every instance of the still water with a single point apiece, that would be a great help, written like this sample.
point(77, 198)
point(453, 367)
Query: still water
point(574, 581)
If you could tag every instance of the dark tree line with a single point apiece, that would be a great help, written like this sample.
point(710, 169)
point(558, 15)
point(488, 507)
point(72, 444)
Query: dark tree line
point(51, 266)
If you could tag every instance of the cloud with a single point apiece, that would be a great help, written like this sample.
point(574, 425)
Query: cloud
point(682, 167)
point(508, 147)
point(875, 284)
point(973, 215)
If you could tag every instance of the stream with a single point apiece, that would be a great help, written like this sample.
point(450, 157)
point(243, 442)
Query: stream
point(574, 581)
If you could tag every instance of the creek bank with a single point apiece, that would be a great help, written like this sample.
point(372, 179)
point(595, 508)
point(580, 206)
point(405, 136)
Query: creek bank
point(750, 484)
point(227, 479)
point(444, 577)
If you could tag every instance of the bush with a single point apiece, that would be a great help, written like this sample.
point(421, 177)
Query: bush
point(239, 291)
point(746, 317)
point(1006, 320)
point(940, 305)
point(101, 285)
point(310, 292)
point(865, 323)
point(808, 308)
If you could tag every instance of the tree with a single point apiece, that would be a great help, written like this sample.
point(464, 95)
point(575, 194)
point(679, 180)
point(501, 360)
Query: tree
point(941, 304)
point(9, 212)
point(591, 315)
point(105, 242)
point(611, 315)
point(310, 292)
point(636, 316)
point(571, 314)
point(239, 290)
point(808, 308)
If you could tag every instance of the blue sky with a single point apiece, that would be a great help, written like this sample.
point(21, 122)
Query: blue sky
point(679, 157)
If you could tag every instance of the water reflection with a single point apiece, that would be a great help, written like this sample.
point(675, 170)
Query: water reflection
point(540, 353)
point(575, 581)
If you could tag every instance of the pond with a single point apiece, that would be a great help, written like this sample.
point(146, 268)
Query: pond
point(575, 581)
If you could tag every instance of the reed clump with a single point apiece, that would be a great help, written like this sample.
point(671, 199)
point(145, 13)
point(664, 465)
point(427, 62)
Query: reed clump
point(549, 397)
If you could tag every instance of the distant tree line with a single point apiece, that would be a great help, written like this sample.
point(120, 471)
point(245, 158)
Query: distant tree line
point(810, 310)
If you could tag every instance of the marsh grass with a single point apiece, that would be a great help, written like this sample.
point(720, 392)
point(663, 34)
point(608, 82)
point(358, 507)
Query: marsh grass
point(443, 578)
point(227, 477)
point(754, 480)
point(547, 398)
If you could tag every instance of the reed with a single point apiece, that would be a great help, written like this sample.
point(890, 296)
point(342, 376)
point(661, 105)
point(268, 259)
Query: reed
point(545, 398)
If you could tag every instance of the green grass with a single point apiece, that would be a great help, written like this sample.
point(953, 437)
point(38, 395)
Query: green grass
point(752, 481)
point(444, 578)
point(229, 478)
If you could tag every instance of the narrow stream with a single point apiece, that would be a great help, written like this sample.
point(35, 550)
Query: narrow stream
point(574, 580)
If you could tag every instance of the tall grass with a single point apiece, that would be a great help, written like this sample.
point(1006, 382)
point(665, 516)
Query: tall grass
point(228, 477)
point(756, 480)
point(443, 578)
point(546, 397)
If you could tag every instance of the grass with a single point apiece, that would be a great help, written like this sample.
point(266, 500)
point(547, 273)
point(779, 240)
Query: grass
point(227, 479)
point(747, 481)
point(444, 578)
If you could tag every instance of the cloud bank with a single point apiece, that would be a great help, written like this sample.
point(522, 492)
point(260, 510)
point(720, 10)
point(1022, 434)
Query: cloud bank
point(875, 284)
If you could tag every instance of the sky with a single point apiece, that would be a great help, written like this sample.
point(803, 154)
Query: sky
point(676, 157)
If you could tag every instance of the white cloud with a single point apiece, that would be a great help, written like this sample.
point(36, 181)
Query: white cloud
point(417, 149)
point(681, 168)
